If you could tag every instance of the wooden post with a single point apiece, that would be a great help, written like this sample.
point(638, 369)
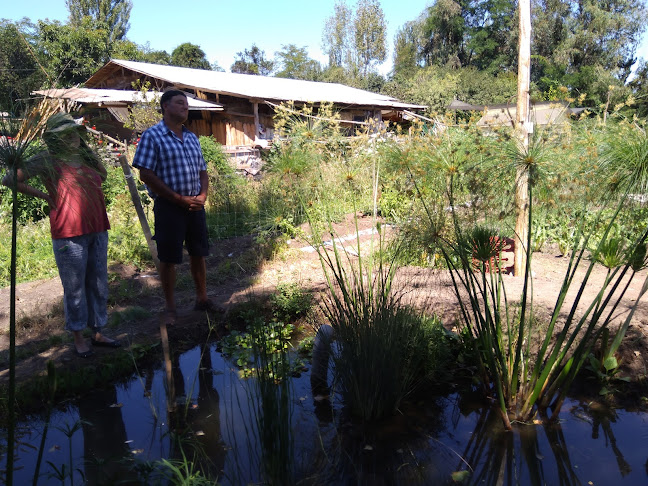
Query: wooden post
point(522, 129)
point(256, 121)
point(132, 188)
point(137, 202)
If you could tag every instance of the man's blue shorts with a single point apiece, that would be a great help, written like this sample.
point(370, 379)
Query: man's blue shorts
point(174, 226)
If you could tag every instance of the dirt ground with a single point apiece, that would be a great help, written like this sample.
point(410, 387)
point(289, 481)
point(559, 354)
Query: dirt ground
point(39, 304)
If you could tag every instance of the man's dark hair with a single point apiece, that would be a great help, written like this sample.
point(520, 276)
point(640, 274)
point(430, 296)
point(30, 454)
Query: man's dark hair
point(167, 95)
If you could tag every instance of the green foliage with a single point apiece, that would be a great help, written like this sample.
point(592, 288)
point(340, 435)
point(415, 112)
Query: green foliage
point(131, 314)
point(272, 408)
point(252, 61)
point(336, 36)
point(144, 113)
point(112, 15)
point(379, 356)
point(19, 70)
point(624, 161)
point(369, 34)
point(189, 55)
point(293, 62)
point(216, 158)
point(127, 243)
point(525, 378)
point(34, 253)
point(436, 87)
point(29, 208)
point(407, 45)
point(290, 302)
point(273, 336)
point(73, 53)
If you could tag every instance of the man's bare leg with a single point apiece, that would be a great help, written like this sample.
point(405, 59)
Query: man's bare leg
point(168, 279)
point(199, 274)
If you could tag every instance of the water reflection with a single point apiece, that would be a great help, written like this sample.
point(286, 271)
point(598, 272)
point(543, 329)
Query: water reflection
point(194, 420)
point(105, 449)
point(426, 443)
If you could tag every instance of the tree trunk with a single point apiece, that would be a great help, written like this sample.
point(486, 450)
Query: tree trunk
point(523, 128)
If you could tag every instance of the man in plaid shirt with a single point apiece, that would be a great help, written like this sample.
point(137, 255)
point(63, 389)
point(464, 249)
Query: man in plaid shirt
point(172, 166)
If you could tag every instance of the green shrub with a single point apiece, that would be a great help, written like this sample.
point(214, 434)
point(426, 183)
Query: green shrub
point(29, 208)
point(127, 242)
point(290, 302)
point(214, 156)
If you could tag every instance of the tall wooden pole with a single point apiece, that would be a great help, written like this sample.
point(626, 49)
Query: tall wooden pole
point(522, 128)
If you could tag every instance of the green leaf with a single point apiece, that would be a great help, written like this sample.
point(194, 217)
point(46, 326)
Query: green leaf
point(610, 363)
point(460, 476)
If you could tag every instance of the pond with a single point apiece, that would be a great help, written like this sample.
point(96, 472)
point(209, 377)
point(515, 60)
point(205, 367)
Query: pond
point(120, 432)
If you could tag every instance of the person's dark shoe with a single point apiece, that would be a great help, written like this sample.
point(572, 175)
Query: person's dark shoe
point(83, 354)
point(106, 344)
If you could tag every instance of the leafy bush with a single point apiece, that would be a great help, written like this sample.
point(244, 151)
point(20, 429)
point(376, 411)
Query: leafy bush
point(127, 243)
point(214, 156)
point(290, 302)
point(29, 208)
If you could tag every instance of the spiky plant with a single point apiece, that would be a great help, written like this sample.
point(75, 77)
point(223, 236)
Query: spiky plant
point(14, 154)
point(525, 379)
point(624, 161)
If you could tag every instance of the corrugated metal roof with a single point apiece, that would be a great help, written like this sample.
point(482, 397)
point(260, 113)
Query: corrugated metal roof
point(259, 87)
point(120, 96)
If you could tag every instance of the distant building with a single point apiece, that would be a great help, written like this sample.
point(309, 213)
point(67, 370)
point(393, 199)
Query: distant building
point(237, 109)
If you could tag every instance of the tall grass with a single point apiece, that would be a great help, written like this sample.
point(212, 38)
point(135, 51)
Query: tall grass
point(377, 354)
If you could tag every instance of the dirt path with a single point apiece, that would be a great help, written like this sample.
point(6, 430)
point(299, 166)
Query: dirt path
point(39, 308)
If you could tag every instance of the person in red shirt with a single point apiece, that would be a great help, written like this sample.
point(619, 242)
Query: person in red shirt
point(72, 174)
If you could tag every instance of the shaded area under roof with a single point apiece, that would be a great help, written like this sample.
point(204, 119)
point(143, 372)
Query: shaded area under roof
point(252, 86)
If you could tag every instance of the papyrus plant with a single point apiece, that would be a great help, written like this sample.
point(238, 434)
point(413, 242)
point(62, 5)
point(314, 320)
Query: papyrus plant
point(14, 153)
point(528, 365)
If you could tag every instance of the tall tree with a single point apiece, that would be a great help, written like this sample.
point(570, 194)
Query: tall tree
point(294, 63)
point(444, 30)
point(112, 15)
point(639, 85)
point(577, 42)
point(20, 73)
point(491, 35)
point(407, 48)
point(337, 36)
point(369, 29)
point(191, 56)
point(73, 53)
point(127, 50)
point(252, 61)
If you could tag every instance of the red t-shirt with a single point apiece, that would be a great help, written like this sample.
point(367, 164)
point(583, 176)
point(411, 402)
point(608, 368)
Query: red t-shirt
point(80, 205)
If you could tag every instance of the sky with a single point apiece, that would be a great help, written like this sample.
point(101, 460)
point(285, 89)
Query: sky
point(222, 28)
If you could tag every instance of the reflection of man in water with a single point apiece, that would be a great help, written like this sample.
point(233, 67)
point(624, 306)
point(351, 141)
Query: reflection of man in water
point(202, 419)
point(106, 454)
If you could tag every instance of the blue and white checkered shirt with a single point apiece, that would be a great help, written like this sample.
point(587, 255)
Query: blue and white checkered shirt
point(177, 162)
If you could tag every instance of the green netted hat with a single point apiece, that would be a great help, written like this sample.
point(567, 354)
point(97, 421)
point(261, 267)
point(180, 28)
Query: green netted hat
point(60, 122)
